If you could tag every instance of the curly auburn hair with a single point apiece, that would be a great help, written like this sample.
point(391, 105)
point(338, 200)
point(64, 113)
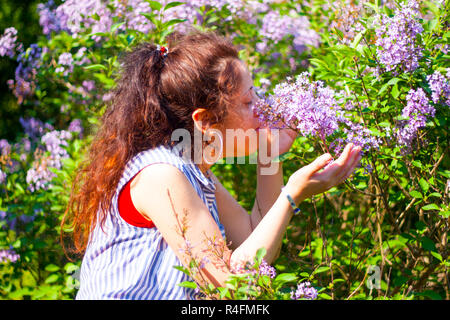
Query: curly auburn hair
point(154, 95)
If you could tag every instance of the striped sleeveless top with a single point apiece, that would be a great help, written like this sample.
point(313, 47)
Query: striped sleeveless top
point(127, 262)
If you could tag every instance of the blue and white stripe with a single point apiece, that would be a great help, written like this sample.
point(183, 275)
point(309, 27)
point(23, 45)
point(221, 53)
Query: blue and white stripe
point(127, 262)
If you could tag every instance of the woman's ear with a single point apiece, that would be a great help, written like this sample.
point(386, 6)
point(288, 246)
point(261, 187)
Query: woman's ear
point(199, 117)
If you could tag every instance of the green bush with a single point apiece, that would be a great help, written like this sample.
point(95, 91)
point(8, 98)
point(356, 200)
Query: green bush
point(389, 222)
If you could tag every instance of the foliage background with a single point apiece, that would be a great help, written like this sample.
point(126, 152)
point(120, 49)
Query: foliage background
point(394, 217)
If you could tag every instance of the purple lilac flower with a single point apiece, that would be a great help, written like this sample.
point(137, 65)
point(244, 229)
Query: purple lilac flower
point(347, 14)
point(266, 269)
point(5, 147)
point(65, 62)
point(47, 18)
point(359, 135)
point(276, 26)
point(39, 176)
point(304, 291)
point(440, 87)
point(80, 57)
point(75, 16)
point(8, 42)
point(8, 256)
point(34, 128)
point(75, 126)
point(307, 106)
point(396, 35)
point(29, 61)
point(417, 109)
point(131, 11)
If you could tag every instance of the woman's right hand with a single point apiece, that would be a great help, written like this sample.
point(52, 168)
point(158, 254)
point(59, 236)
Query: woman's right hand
point(309, 180)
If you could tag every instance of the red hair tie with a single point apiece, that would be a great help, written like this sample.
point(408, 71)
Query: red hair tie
point(162, 50)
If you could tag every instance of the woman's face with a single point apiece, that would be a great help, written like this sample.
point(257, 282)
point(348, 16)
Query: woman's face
point(240, 127)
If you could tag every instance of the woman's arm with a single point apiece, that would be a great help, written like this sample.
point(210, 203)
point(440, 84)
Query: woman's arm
point(238, 223)
point(162, 193)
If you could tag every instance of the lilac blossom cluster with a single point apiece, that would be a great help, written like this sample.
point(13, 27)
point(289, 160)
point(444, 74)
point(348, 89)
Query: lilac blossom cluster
point(440, 87)
point(8, 255)
point(75, 17)
point(358, 134)
point(396, 38)
point(276, 26)
point(307, 106)
point(26, 71)
point(65, 62)
point(8, 43)
point(40, 175)
point(304, 291)
point(347, 15)
point(266, 269)
point(313, 110)
point(34, 128)
point(5, 147)
point(416, 111)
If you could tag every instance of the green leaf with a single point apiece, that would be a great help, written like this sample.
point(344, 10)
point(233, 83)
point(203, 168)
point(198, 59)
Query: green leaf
point(172, 4)
point(155, 5)
point(182, 269)
point(188, 284)
point(393, 81)
point(284, 278)
point(436, 255)
point(432, 206)
point(357, 40)
point(52, 278)
point(224, 293)
point(116, 26)
point(395, 92)
point(435, 194)
point(427, 244)
point(416, 194)
point(424, 184)
point(52, 268)
point(173, 22)
point(260, 254)
point(417, 164)
point(149, 16)
point(283, 157)
point(321, 269)
point(95, 67)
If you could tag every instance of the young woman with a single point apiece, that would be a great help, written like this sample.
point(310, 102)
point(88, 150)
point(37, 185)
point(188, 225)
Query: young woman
point(139, 205)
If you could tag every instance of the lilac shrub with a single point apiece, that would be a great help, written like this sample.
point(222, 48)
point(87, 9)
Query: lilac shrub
point(377, 76)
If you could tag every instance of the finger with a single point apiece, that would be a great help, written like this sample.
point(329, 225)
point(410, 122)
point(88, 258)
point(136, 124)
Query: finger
point(320, 162)
point(352, 166)
point(355, 158)
point(345, 154)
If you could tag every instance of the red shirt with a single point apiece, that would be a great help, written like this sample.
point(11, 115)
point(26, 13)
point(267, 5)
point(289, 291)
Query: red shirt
point(128, 211)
